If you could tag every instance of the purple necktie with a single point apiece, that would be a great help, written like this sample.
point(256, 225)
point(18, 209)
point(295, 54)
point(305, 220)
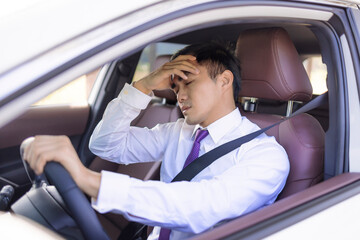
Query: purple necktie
point(200, 135)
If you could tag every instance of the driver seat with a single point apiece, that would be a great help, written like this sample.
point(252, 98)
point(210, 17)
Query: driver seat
point(272, 70)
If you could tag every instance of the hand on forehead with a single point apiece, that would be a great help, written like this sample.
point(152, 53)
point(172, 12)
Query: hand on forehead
point(187, 64)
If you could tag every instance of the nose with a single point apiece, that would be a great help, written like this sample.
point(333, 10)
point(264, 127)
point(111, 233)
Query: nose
point(181, 95)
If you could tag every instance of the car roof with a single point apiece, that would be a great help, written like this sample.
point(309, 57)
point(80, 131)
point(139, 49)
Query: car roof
point(33, 26)
point(342, 2)
point(348, 3)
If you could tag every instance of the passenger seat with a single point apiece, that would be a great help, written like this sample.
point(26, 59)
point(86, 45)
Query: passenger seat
point(272, 70)
point(163, 108)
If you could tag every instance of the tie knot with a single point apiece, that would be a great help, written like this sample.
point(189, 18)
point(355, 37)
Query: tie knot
point(200, 135)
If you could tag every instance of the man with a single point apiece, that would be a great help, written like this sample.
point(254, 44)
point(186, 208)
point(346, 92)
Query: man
point(206, 79)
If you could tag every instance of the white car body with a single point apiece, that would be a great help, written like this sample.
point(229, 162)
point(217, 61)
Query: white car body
point(42, 49)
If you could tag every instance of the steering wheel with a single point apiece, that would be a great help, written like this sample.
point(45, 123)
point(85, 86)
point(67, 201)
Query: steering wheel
point(74, 199)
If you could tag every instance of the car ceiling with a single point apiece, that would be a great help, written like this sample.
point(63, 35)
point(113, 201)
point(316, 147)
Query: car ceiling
point(304, 39)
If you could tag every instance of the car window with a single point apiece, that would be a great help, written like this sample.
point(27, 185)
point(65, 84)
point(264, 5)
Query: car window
point(76, 92)
point(313, 64)
point(317, 73)
point(147, 62)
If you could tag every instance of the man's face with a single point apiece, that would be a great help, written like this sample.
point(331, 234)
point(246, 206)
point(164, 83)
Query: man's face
point(199, 97)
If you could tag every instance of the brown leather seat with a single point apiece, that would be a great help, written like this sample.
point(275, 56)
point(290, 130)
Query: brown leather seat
point(161, 110)
point(271, 69)
point(157, 112)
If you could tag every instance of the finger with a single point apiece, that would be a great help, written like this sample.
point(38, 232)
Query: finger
point(24, 144)
point(40, 163)
point(27, 151)
point(29, 154)
point(187, 62)
point(58, 149)
point(36, 153)
point(180, 74)
point(50, 148)
point(183, 68)
point(31, 159)
point(184, 57)
point(35, 156)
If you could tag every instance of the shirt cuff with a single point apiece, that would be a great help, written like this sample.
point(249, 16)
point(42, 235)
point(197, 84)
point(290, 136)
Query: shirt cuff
point(134, 97)
point(113, 192)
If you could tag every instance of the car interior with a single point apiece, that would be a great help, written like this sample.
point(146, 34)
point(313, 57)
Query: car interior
point(275, 83)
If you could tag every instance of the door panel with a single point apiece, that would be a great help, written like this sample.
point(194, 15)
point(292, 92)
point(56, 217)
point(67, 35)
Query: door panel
point(53, 120)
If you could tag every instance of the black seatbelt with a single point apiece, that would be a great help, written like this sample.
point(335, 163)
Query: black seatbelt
point(195, 167)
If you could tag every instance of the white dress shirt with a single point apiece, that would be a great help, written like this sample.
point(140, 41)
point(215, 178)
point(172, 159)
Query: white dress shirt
point(239, 182)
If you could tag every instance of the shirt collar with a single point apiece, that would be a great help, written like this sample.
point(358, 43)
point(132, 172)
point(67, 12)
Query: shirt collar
point(222, 126)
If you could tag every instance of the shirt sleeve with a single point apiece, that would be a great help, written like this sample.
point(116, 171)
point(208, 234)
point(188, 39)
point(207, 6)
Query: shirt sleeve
point(253, 182)
point(115, 140)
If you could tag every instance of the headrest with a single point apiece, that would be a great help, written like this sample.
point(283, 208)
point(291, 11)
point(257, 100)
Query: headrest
point(271, 67)
point(168, 94)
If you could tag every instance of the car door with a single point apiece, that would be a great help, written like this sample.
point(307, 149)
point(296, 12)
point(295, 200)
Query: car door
point(63, 112)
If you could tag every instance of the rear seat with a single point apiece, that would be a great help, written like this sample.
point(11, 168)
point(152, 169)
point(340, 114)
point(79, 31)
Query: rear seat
point(161, 109)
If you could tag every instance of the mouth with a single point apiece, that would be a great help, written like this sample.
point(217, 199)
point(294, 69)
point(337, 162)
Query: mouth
point(184, 109)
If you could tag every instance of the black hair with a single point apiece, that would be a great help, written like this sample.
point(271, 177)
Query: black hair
point(216, 58)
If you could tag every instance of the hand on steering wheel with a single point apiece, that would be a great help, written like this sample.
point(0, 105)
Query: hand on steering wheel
point(73, 197)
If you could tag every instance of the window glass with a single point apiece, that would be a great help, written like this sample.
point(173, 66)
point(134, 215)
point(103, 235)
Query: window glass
point(317, 73)
point(148, 60)
point(76, 92)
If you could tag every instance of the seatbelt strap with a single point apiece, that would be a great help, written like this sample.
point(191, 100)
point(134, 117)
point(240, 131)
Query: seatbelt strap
point(199, 164)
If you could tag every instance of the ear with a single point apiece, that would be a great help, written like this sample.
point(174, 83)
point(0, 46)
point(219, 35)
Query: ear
point(226, 79)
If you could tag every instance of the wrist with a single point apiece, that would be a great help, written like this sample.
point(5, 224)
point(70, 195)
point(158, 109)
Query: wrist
point(88, 181)
point(141, 86)
point(80, 177)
